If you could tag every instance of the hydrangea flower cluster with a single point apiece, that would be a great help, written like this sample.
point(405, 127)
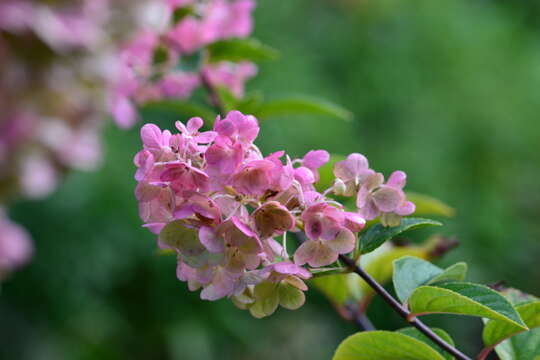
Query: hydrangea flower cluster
point(55, 59)
point(226, 210)
point(158, 62)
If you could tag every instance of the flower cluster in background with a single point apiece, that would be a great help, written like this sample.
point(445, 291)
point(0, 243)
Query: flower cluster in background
point(65, 65)
point(53, 66)
point(226, 210)
point(15, 245)
point(170, 61)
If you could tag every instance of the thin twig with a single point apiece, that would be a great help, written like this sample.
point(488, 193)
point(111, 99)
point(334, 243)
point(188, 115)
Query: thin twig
point(402, 311)
point(213, 95)
point(363, 322)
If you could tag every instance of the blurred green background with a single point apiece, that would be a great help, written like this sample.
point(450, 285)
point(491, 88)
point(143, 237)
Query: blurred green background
point(447, 91)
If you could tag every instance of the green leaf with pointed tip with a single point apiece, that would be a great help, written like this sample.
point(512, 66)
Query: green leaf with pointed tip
point(237, 50)
point(384, 345)
point(378, 234)
point(303, 105)
point(463, 299)
point(182, 109)
point(497, 331)
point(429, 206)
point(524, 346)
point(456, 272)
point(410, 273)
point(415, 333)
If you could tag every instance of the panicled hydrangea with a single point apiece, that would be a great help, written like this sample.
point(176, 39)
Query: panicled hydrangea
point(225, 209)
point(55, 61)
point(171, 61)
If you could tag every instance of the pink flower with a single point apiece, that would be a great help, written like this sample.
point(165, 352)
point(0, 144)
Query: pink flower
point(375, 198)
point(216, 200)
point(237, 127)
point(254, 178)
point(231, 76)
point(15, 245)
point(188, 35)
point(272, 219)
point(222, 161)
point(193, 136)
point(183, 177)
point(178, 85)
point(204, 209)
point(353, 172)
point(328, 236)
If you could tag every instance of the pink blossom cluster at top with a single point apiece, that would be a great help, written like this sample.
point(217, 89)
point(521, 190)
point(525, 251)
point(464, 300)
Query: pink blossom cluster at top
point(52, 71)
point(54, 62)
point(142, 76)
point(57, 59)
point(15, 245)
point(226, 210)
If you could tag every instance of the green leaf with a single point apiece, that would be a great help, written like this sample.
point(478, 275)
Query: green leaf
point(415, 333)
point(378, 234)
point(429, 206)
point(497, 331)
point(180, 13)
point(182, 109)
point(410, 273)
point(464, 299)
point(227, 98)
point(524, 346)
point(456, 272)
point(190, 63)
point(160, 55)
point(302, 105)
point(384, 345)
point(237, 50)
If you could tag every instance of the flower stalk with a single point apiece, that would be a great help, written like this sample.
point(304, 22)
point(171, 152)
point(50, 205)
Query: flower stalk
point(401, 310)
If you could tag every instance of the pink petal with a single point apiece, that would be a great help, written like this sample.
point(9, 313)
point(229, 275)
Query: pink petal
point(343, 243)
point(355, 165)
point(369, 211)
point(407, 208)
point(397, 179)
point(123, 112)
point(151, 137)
point(316, 158)
point(206, 137)
point(387, 198)
point(194, 124)
point(211, 241)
